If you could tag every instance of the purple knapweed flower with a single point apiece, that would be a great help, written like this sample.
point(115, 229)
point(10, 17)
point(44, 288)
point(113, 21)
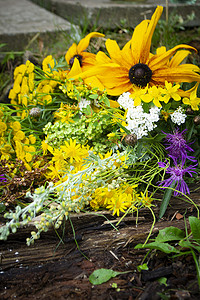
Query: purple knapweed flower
point(2, 178)
point(176, 175)
point(177, 145)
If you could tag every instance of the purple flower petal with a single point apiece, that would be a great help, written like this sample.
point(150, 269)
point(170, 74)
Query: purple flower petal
point(177, 145)
point(176, 174)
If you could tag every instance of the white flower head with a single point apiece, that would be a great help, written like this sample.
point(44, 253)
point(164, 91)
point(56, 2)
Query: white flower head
point(139, 122)
point(83, 103)
point(178, 116)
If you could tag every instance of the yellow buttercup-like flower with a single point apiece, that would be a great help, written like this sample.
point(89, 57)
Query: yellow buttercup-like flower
point(193, 101)
point(171, 91)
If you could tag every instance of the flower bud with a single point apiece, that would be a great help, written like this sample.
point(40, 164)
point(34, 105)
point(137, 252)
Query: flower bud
point(196, 120)
point(35, 112)
point(131, 139)
point(189, 111)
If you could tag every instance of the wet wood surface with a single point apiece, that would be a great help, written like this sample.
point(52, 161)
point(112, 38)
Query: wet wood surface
point(54, 264)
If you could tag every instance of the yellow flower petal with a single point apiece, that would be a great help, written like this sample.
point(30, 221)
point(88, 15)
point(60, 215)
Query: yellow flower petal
point(84, 43)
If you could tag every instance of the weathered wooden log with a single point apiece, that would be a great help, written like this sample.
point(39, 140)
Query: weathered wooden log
point(99, 245)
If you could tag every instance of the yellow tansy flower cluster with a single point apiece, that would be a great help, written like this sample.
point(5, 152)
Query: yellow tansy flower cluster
point(46, 87)
point(23, 145)
point(14, 140)
point(23, 87)
point(26, 91)
point(5, 147)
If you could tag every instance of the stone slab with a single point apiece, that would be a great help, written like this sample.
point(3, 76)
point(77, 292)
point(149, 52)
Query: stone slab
point(22, 20)
point(110, 13)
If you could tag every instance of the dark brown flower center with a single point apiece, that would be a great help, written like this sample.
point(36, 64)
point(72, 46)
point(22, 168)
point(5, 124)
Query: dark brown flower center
point(79, 57)
point(140, 74)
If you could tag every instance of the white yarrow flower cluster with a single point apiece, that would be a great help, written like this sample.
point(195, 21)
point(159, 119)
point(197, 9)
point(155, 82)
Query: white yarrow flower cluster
point(178, 116)
point(139, 122)
point(83, 103)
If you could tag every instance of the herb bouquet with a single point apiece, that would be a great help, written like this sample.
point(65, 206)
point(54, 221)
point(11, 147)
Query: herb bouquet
point(99, 131)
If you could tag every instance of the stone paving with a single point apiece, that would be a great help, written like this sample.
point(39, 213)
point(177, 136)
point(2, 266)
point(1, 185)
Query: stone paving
point(23, 20)
point(110, 13)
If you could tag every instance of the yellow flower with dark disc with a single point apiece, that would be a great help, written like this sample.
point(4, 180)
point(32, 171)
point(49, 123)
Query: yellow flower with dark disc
point(135, 67)
point(86, 59)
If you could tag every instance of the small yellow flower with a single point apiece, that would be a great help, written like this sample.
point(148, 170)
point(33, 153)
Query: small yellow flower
point(19, 135)
point(3, 127)
point(171, 91)
point(7, 148)
point(145, 199)
point(5, 156)
point(24, 101)
point(32, 138)
point(19, 150)
point(1, 112)
point(29, 67)
point(20, 70)
point(72, 151)
point(193, 101)
point(112, 136)
point(120, 203)
point(46, 147)
point(108, 154)
point(16, 87)
point(94, 204)
point(138, 95)
point(12, 95)
point(156, 95)
point(48, 64)
point(28, 157)
point(165, 115)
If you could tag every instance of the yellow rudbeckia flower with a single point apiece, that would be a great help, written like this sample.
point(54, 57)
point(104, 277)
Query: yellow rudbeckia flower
point(134, 66)
point(85, 59)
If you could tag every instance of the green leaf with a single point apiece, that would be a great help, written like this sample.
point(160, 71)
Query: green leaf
point(165, 201)
point(164, 247)
point(142, 267)
point(195, 247)
point(195, 228)
point(162, 280)
point(190, 131)
point(170, 234)
point(102, 275)
point(124, 128)
point(145, 107)
point(106, 101)
point(157, 138)
point(87, 110)
point(2, 207)
point(185, 244)
point(93, 96)
point(2, 45)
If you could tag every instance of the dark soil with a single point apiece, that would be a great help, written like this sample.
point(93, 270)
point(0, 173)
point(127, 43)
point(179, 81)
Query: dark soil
point(51, 269)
